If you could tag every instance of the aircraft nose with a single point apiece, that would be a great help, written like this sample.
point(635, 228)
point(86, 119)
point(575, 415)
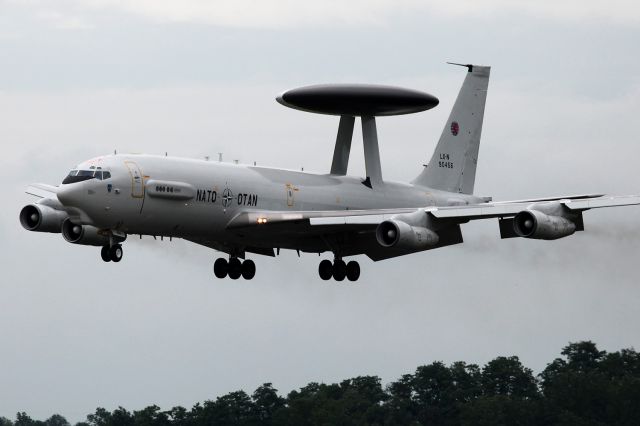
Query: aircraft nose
point(70, 194)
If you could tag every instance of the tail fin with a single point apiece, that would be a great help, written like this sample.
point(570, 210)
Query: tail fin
point(453, 165)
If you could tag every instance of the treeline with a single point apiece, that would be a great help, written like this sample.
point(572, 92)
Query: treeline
point(583, 387)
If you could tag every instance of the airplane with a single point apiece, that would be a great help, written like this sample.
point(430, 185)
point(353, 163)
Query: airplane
point(242, 209)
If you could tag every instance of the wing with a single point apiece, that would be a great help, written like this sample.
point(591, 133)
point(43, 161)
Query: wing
point(41, 190)
point(504, 209)
point(354, 230)
point(357, 219)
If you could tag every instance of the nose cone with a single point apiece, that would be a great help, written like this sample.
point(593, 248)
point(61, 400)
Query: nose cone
point(71, 195)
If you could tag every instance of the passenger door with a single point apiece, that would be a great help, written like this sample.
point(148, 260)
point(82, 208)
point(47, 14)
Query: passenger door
point(137, 182)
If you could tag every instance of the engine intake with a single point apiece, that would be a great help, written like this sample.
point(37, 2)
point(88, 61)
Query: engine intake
point(40, 218)
point(537, 225)
point(83, 234)
point(399, 234)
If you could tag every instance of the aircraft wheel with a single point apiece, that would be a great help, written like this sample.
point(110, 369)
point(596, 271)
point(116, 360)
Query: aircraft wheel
point(325, 270)
point(235, 268)
point(104, 253)
point(220, 267)
point(248, 269)
point(339, 270)
point(115, 253)
point(353, 271)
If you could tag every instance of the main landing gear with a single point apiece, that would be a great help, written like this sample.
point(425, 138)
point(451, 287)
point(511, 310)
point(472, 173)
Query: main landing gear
point(111, 253)
point(339, 270)
point(235, 268)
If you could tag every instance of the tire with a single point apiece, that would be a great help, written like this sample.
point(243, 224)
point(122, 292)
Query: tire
point(325, 270)
point(104, 253)
point(115, 253)
point(248, 269)
point(353, 271)
point(339, 270)
point(235, 268)
point(220, 267)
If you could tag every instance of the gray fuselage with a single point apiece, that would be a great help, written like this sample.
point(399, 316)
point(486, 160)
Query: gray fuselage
point(196, 199)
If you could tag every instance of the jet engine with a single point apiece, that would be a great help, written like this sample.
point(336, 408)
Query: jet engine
point(41, 218)
point(540, 226)
point(83, 234)
point(399, 234)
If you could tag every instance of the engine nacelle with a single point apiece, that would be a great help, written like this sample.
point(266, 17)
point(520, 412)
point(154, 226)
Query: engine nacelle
point(83, 234)
point(398, 234)
point(537, 225)
point(41, 218)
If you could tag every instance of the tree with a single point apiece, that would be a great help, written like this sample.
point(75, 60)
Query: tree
point(582, 356)
point(400, 407)
point(102, 417)
point(56, 420)
point(179, 416)
point(584, 386)
point(432, 393)
point(150, 416)
point(266, 402)
point(500, 410)
point(591, 385)
point(507, 376)
point(234, 408)
point(22, 419)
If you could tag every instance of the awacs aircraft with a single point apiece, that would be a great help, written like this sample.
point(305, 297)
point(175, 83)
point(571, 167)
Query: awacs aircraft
point(242, 210)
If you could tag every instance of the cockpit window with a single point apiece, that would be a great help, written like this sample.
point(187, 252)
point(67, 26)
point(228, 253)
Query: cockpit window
point(102, 175)
point(81, 175)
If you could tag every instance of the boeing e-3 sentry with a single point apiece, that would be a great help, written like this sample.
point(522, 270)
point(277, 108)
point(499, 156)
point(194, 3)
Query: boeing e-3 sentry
point(245, 210)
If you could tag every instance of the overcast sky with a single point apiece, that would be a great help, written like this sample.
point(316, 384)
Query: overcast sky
point(194, 78)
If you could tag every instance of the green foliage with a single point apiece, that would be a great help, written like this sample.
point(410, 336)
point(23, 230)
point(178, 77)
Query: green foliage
point(588, 386)
point(584, 386)
point(508, 377)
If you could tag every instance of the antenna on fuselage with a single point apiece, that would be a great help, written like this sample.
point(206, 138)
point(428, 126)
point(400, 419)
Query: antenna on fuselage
point(220, 157)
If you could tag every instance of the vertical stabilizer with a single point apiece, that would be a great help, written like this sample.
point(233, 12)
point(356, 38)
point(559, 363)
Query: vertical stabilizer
point(453, 164)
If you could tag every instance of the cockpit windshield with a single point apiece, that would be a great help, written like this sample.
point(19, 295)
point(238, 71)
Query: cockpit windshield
point(80, 175)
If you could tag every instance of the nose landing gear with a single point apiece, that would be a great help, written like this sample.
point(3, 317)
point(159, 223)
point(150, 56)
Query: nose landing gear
point(234, 268)
point(339, 270)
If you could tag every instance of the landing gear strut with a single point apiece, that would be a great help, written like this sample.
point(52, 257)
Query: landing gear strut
point(339, 270)
point(111, 253)
point(234, 268)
